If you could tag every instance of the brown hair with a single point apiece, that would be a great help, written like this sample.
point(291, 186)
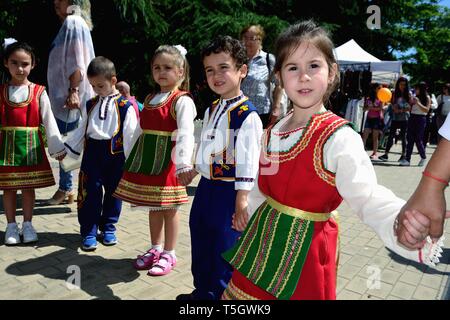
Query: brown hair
point(179, 60)
point(307, 31)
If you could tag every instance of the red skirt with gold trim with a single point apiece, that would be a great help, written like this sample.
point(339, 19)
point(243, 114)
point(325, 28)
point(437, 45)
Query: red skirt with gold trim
point(317, 280)
point(27, 177)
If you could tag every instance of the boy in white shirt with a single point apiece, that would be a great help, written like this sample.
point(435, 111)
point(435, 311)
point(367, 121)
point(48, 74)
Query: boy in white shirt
point(106, 134)
point(227, 158)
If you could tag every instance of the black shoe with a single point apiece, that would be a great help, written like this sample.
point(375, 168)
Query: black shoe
point(185, 296)
point(384, 157)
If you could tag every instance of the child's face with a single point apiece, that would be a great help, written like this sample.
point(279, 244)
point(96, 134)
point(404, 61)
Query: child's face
point(102, 86)
point(222, 75)
point(19, 65)
point(165, 72)
point(305, 76)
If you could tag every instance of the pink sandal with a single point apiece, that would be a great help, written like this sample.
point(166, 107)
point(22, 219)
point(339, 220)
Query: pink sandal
point(147, 260)
point(165, 264)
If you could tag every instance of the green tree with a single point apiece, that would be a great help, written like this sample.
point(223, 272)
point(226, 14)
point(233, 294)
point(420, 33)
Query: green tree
point(128, 31)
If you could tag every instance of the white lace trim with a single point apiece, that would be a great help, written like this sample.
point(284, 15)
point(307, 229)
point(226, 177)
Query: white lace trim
point(146, 208)
point(183, 170)
point(431, 252)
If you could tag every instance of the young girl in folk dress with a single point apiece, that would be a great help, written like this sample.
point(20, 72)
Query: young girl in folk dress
point(24, 166)
point(311, 160)
point(153, 177)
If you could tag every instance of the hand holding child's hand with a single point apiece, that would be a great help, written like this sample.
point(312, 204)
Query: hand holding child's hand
point(240, 219)
point(185, 178)
point(413, 228)
point(73, 101)
point(61, 157)
point(416, 227)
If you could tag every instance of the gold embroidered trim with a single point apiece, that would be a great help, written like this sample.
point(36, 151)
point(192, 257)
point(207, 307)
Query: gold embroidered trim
point(298, 213)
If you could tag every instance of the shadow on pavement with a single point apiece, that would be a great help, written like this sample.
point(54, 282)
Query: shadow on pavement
point(191, 191)
point(96, 272)
point(41, 206)
point(445, 259)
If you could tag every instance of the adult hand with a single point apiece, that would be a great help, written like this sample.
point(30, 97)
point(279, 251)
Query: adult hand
point(429, 202)
point(73, 100)
point(61, 157)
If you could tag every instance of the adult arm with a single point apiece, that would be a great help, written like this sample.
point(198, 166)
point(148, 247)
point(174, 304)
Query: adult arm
point(429, 198)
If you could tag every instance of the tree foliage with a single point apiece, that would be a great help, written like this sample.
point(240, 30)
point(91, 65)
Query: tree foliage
point(128, 31)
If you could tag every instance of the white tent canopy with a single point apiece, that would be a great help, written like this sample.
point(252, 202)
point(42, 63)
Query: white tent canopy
point(350, 53)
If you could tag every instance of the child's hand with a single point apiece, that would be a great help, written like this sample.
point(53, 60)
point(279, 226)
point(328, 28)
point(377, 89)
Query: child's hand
point(186, 178)
point(416, 228)
point(240, 220)
point(61, 157)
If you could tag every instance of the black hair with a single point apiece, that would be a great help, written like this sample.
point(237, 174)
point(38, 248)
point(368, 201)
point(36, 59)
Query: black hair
point(229, 45)
point(373, 91)
point(101, 66)
point(422, 86)
point(19, 46)
point(398, 93)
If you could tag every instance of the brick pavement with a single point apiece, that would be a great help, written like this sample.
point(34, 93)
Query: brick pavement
point(40, 271)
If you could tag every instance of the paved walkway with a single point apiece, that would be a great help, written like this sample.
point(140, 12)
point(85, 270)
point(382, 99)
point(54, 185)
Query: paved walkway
point(367, 269)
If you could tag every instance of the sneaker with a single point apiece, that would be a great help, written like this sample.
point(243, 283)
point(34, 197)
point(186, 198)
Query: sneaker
point(384, 157)
point(185, 296)
point(12, 234)
point(89, 243)
point(401, 159)
point(404, 163)
point(28, 232)
point(109, 238)
point(421, 162)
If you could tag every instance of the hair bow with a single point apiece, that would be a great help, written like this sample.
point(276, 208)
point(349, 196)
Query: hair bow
point(182, 49)
point(7, 42)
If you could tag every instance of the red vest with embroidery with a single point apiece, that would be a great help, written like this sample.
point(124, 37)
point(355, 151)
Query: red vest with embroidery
point(151, 116)
point(24, 114)
point(301, 180)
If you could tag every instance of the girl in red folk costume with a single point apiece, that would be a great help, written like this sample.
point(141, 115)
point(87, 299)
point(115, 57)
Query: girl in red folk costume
point(159, 166)
point(311, 160)
point(24, 106)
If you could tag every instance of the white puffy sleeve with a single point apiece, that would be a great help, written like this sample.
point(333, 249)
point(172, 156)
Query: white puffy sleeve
point(54, 141)
point(130, 130)
point(357, 183)
point(248, 147)
point(185, 140)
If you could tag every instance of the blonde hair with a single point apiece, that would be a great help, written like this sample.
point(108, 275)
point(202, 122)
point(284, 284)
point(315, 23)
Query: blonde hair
point(258, 29)
point(83, 9)
point(179, 60)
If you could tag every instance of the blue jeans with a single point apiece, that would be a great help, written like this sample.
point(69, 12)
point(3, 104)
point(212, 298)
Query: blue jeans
point(65, 178)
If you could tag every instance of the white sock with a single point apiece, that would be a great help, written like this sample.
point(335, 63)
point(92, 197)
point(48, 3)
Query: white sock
point(157, 247)
point(171, 252)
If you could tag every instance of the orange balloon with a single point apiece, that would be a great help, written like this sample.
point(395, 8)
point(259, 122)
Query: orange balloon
point(384, 95)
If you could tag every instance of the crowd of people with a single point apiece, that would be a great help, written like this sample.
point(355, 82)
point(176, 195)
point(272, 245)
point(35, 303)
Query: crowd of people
point(412, 117)
point(256, 232)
